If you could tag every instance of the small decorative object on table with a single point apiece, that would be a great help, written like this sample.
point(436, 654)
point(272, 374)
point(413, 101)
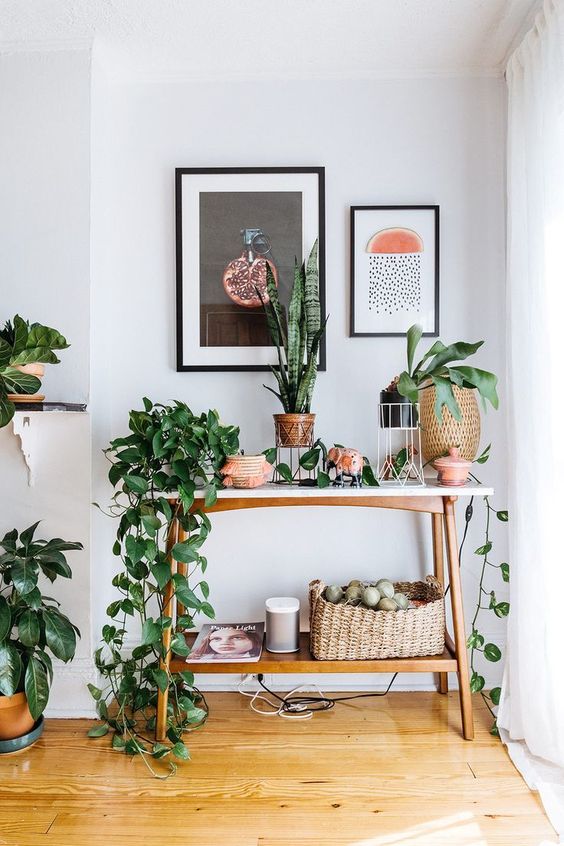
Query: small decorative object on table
point(245, 471)
point(234, 642)
point(351, 629)
point(282, 624)
point(345, 462)
point(399, 438)
point(452, 469)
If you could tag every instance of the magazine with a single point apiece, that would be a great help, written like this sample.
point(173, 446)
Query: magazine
point(233, 642)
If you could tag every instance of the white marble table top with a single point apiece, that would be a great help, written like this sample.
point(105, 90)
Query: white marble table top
point(387, 489)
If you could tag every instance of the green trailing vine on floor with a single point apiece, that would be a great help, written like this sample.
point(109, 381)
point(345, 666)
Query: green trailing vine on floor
point(168, 449)
point(487, 601)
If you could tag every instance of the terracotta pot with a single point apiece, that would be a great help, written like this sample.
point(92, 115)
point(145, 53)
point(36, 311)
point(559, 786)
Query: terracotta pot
point(15, 718)
point(437, 438)
point(294, 430)
point(452, 469)
point(32, 369)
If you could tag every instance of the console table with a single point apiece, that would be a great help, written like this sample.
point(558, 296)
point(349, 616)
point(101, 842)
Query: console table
point(430, 499)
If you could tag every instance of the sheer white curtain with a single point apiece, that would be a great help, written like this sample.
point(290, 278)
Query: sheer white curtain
point(532, 709)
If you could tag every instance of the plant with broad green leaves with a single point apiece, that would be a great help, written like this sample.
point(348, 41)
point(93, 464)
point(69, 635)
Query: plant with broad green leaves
point(156, 468)
point(23, 343)
point(31, 624)
point(315, 459)
point(439, 368)
point(296, 335)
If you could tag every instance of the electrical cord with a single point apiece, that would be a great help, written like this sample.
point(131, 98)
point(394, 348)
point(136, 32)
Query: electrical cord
point(467, 517)
point(294, 705)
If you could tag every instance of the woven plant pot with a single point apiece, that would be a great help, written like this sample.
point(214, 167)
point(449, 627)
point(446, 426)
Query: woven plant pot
point(437, 438)
point(354, 633)
point(294, 430)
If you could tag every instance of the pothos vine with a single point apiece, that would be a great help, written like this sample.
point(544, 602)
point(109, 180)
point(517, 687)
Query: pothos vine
point(156, 469)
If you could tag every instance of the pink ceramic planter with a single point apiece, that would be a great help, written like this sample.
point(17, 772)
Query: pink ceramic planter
point(452, 469)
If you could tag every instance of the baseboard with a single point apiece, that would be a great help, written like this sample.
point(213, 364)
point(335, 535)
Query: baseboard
point(70, 696)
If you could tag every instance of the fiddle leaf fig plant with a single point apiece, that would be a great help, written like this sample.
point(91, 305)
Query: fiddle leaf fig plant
point(440, 368)
point(31, 624)
point(296, 335)
point(156, 469)
point(21, 344)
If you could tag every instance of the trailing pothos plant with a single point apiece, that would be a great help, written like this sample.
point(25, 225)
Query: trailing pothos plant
point(487, 599)
point(315, 458)
point(169, 450)
point(440, 368)
point(296, 335)
point(21, 344)
point(32, 624)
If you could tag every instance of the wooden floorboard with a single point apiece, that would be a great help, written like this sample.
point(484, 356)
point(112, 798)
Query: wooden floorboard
point(385, 772)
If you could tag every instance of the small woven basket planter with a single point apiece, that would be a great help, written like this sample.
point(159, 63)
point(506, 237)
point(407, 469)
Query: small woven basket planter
point(294, 430)
point(354, 633)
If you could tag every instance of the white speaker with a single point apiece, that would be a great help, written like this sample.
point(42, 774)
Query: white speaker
point(282, 624)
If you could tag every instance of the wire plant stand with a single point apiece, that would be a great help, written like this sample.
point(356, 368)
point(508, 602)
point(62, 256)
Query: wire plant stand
point(399, 444)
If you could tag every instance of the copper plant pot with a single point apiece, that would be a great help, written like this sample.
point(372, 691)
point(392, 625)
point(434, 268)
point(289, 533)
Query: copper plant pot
point(15, 718)
point(294, 430)
point(437, 438)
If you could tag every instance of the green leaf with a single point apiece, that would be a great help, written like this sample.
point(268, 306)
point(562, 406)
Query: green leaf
point(10, 669)
point(161, 572)
point(294, 337)
point(24, 575)
point(187, 677)
point(323, 479)
point(99, 731)
point(270, 455)
point(495, 695)
point(368, 477)
point(312, 303)
point(407, 387)
point(151, 524)
point(160, 750)
point(501, 609)
point(36, 687)
point(60, 635)
point(150, 632)
point(35, 355)
point(161, 679)
point(503, 516)
point(484, 456)
point(504, 571)
point(179, 750)
point(477, 682)
point(5, 619)
point(444, 396)
point(483, 550)
point(44, 336)
point(95, 692)
point(17, 382)
point(494, 729)
point(179, 646)
point(26, 536)
point(484, 381)
point(475, 640)
point(310, 459)
point(211, 496)
point(186, 596)
point(28, 628)
point(414, 335)
point(136, 484)
point(492, 652)
point(285, 472)
point(454, 352)
point(135, 548)
point(7, 409)
point(118, 742)
point(185, 552)
point(207, 609)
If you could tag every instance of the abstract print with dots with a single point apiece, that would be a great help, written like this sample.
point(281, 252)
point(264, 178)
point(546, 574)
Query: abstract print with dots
point(394, 274)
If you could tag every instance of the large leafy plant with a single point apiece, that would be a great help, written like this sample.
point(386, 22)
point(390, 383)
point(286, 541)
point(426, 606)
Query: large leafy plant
point(31, 624)
point(296, 335)
point(156, 468)
point(439, 368)
point(24, 343)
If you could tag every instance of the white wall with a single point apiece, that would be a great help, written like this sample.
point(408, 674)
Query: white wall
point(45, 260)
point(381, 142)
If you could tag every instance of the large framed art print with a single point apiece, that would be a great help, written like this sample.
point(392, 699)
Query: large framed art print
point(230, 224)
point(394, 270)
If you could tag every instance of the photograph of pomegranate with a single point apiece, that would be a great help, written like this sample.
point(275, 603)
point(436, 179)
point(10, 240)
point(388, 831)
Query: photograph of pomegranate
point(394, 269)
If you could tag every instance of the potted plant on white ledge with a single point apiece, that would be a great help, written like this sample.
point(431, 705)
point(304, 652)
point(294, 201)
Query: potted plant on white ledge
point(296, 336)
point(31, 626)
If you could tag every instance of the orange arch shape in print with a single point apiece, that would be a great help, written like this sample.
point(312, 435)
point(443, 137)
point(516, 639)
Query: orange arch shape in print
point(395, 240)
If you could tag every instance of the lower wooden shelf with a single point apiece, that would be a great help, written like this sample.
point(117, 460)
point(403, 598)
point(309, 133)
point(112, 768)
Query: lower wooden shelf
point(303, 662)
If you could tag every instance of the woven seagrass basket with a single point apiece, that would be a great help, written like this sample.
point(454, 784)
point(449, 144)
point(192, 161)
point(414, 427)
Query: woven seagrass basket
point(348, 633)
point(437, 438)
point(294, 430)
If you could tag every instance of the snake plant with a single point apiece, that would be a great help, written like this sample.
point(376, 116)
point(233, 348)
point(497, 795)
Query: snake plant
point(437, 369)
point(296, 335)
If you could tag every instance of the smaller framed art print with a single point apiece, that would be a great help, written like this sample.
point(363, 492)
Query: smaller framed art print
point(231, 223)
point(394, 270)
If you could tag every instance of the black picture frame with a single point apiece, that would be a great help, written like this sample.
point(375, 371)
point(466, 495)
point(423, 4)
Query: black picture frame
point(354, 210)
point(180, 173)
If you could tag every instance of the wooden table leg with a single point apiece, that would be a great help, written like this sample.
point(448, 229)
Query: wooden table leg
point(439, 569)
point(182, 568)
point(162, 698)
point(458, 618)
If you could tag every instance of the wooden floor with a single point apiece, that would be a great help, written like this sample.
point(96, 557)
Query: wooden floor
point(377, 772)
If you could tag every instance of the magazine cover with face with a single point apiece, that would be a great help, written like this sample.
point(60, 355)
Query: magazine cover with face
point(228, 642)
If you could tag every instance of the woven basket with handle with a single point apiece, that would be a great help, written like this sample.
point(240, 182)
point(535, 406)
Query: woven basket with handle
point(347, 632)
